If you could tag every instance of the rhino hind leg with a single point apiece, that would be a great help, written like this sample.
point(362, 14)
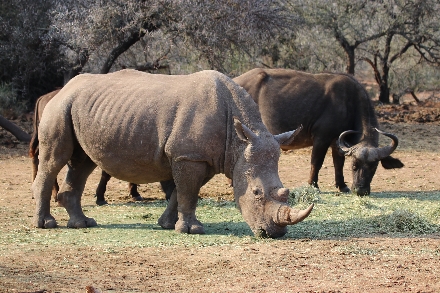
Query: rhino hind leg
point(43, 184)
point(79, 169)
point(338, 163)
point(189, 177)
point(35, 163)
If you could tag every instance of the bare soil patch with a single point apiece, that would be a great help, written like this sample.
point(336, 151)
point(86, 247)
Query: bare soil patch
point(370, 264)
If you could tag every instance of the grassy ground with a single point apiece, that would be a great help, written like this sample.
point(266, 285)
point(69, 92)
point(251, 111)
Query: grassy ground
point(334, 216)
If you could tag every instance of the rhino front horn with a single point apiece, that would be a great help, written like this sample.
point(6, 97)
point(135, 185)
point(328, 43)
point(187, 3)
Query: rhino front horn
point(287, 215)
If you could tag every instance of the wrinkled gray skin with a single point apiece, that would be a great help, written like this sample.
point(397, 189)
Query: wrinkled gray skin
point(326, 105)
point(33, 154)
point(143, 128)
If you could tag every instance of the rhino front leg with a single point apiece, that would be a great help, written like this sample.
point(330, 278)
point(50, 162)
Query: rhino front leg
point(78, 171)
point(189, 177)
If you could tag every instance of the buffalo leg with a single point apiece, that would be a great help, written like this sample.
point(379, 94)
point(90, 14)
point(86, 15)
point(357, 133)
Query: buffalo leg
point(319, 151)
point(101, 189)
point(70, 194)
point(132, 187)
point(338, 162)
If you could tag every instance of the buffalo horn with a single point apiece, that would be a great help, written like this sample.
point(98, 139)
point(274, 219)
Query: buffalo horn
point(289, 216)
point(346, 151)
point(384, 152)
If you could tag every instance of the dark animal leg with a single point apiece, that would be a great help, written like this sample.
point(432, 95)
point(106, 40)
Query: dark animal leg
point(79, 169)
point(132, 187)
point(168, 187)
point(319, 151)
point(338, 162)
point(101, 189)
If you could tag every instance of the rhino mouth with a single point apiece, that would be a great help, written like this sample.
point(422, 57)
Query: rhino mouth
point(263, 233)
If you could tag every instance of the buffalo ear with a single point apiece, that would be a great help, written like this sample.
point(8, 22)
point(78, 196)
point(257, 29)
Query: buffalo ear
point(391, 163)
point(287, 138)
point(243, 132)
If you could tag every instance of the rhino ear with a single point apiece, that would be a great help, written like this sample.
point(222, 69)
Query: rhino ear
point(287, 138)
point(244, 133)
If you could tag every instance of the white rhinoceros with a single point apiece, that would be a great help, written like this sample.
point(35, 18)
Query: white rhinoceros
point(143, 128)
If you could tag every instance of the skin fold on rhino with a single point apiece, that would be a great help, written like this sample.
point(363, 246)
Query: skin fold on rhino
point(144, 128)
point(327, 105)
point(102, 186)
point(167, 186)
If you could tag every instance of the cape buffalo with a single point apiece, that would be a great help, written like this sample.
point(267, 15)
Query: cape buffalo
point(329, 106)
point(142, 128)
point(33, 153)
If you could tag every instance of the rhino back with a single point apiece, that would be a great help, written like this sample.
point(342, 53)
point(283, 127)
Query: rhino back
point(133, 124)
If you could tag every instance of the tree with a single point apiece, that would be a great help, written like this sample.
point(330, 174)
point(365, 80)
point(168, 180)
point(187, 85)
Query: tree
point(413, 31)
point(378, 32)
point(20, 134)
point(28, 62)
point(350, 23)
point(212, 28)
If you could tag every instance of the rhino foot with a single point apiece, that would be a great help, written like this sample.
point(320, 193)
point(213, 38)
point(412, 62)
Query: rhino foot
point(167, 222)
point(81, 223)
point(191, 228)
point(47, 222)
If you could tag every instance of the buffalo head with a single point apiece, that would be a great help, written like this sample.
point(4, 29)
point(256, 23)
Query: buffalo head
point(366, 158)
point(258, 191)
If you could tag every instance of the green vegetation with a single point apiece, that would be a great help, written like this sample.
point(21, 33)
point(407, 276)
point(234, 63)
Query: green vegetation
point(334, 216)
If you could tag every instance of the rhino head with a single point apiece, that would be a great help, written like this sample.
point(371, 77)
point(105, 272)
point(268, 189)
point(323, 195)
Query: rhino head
point(366, 157)
point(258, 191)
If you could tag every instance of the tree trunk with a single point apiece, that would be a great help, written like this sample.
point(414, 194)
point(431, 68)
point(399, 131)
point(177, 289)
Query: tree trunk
point(384, 94)
point(351, 59)
point(415, 97)
point(14, 129)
